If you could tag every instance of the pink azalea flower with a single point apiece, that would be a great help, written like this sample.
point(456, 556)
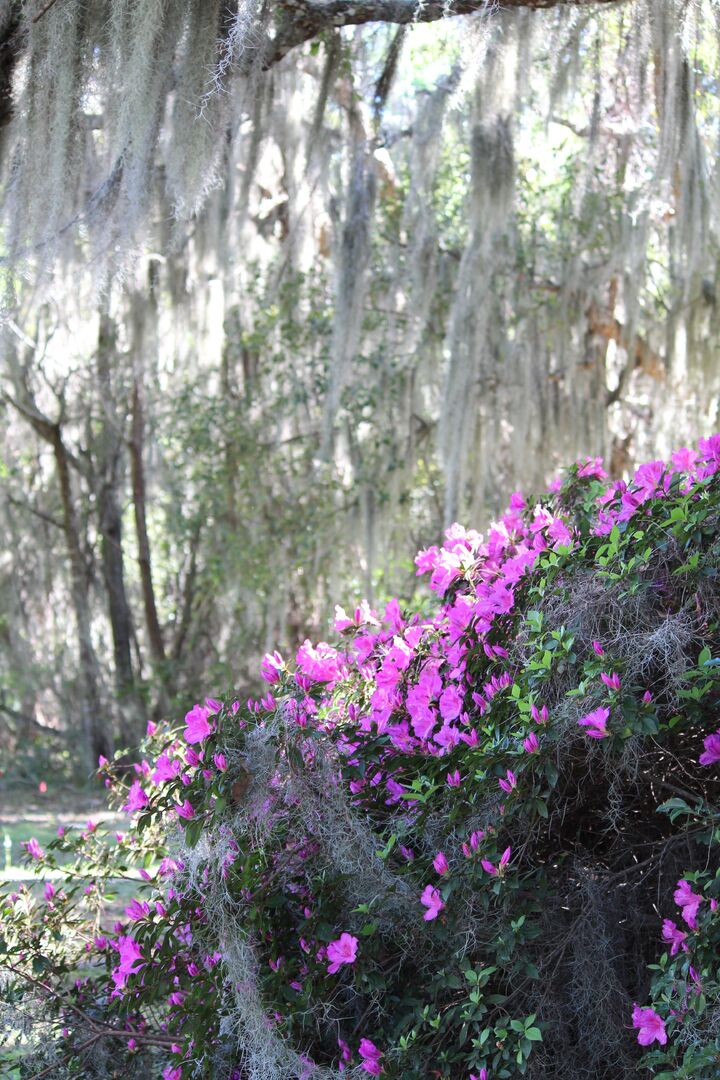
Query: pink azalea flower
point(612, 681)
point(598, 649)
point(33, 848)
point(490, 868)
point(450, 703)
point(541, 716)
point(131, 957)
point(165, 769)
point(342, 951)
point(320, 663)
point(651, 1027)
point(432, 900)
point(674, 936)
point(595, 723)
point(220, 762)
point(440, 863)
point(453, 779)
point(370, 1056)
point(509, 782)
point(689, 901)
point(186, 810)
point(137, 909)
point(712, 750)
point(197, 727)
point(684, 459)
point(531, 744)
point(49, 891)
point(136, 800)
point(272, 665)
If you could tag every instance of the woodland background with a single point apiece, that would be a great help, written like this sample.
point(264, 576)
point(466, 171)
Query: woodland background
point(323, 311)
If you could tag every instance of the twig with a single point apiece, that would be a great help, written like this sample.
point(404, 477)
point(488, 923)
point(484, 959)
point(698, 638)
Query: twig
point(44, 11)
point(100, 1031)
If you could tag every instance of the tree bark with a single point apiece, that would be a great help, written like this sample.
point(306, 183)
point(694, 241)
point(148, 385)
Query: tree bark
point(97, 737)
point(301, 20)
point(108, 452)
point(137, 440)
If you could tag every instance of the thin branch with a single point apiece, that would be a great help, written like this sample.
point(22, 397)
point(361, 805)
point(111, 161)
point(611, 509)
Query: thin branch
point(43, 11)
point(38, 513)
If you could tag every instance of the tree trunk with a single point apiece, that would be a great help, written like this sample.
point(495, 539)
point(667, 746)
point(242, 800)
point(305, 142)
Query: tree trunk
point(152, 622)
point(97, 738)
point(109, 450)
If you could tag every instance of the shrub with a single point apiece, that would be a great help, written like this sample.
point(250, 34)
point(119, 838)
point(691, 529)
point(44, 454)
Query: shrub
point(473, 844)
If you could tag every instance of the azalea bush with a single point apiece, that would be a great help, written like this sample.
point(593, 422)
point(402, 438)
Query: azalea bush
point(477, 843)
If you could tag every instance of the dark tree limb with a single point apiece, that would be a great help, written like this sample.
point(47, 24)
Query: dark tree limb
point(301, 20)
point(137, 463)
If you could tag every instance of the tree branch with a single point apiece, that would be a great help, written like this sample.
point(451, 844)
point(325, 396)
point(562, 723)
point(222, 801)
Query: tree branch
point(301, 20)
point(355, 12)
point(43, 11)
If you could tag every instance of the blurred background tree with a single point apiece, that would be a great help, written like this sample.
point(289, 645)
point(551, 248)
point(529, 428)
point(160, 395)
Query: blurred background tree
point(289, 287)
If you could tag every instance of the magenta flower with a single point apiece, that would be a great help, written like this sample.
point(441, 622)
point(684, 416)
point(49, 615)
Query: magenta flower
point(712, 750)
point(272, 665)
point(674, 936)
point(342, 951)
point(370, 1056)
point(131, 960)
point(595, 723)
point(647, 697)
point(137, 909)
point(197, 728)
point(33, 848)
point(509, 782)
point(136, 800)
point(689, 901)
point(490, 868)
point(684, 459)
point(612, 681)
point(539, 716)
point(49, 891)
point(598, 649)
point(651, 1027)
point(165, 769)
point(453, 779)
point(432, 900)
point(531, 744)
point(440, 863)
point(186, 810)
point(220, 762)
point(451, 703)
